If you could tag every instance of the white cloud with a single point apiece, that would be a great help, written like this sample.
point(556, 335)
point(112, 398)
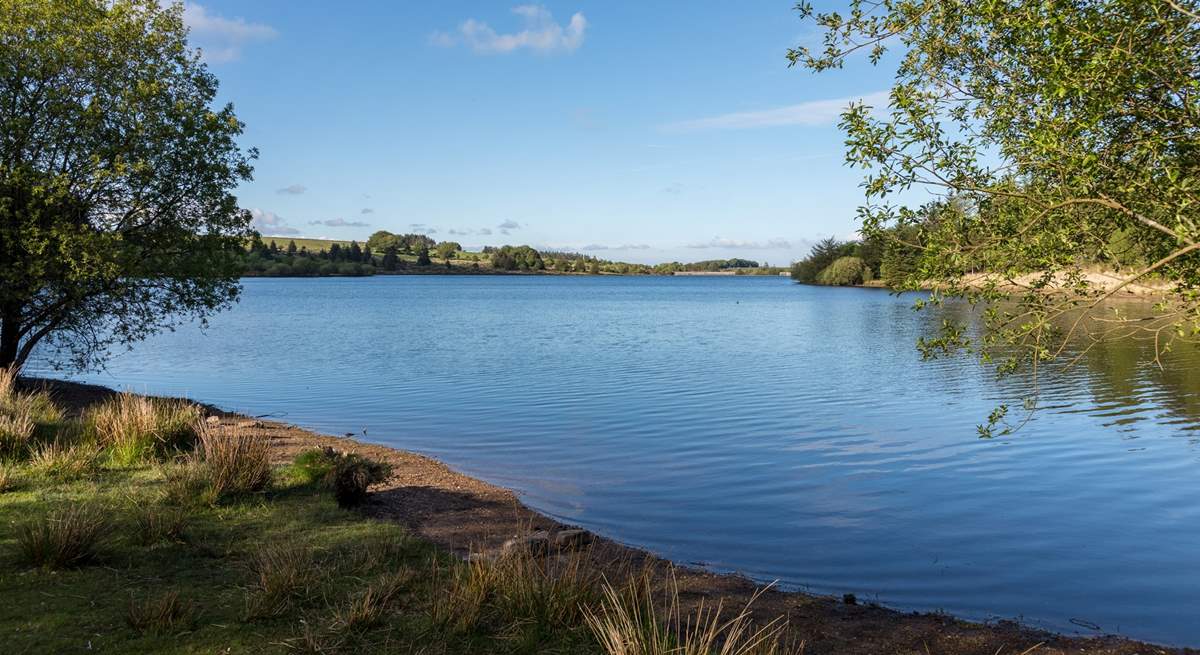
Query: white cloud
point(293, 190)
point(541, 33)
point(508, 226)
point(222, 39)
point(813, 113)
point(339, 222)
point(270, 223)
point(732, 244)
point(421, 228)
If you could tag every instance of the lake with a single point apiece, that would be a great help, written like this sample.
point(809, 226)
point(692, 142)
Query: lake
point(746, 424)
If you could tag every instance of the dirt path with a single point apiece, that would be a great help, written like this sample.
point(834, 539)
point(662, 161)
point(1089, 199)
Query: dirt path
point(464, 515)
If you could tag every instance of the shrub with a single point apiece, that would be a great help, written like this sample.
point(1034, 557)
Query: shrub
point(352, 475)
point(64, 538)
point(24, 417)
point(135, 429)
point(8, 479)
point(164, 613)
point(347, 474)
point(186, 484)
point(843, 271)
point(235, 462)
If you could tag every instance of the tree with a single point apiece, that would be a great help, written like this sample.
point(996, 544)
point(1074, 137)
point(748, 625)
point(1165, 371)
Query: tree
point(390, 261)
point(423, 256)
point(1064, 132)
point(448, 249)
point(116, 171)
point(355, 253)
point(291, 248)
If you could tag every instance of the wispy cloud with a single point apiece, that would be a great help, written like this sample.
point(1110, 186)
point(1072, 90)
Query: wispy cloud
point(222, 39)
point(813, 113)
point(339, 222)
point(421, 228)
point(733, 244)
point(270, 223)
point(293, 190)
point(367, 210)
point(541, 33)
point(674, 189)
point(485, 232)
point(508, 226)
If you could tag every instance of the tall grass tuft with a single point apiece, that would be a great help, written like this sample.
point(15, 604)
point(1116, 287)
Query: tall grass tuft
point(64, 459)
point(281, 573)
point(628, 622)
point(519, 594)
point(136, 429)
point(64, 538)
point(25, 417)
point(236, 462)
point(8, 479)
point(165, 613)
point(369, 607)
point(349, 475)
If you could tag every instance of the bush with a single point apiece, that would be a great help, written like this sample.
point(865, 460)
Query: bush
point(24, 417)
point(64, 538)
point(136, 429)
point(235, 463)
point(844, 271)
point(347, 474)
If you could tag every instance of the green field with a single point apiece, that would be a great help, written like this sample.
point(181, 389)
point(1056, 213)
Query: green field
point(313, 245)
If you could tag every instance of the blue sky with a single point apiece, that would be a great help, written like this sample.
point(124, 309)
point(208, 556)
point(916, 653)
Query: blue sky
point(638, 131)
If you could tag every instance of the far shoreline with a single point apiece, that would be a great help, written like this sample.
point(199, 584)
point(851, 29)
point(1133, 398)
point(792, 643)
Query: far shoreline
point(465, 515)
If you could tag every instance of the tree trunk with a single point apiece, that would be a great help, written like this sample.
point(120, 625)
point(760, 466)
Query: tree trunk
point(10, 339)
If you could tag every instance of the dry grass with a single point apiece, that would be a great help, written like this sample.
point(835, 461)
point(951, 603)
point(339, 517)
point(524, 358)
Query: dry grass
point(64, 538)
point(137, 429)
point(8, 479)
point(628, 623)
point(23, 417)
point(281, 573)
point(165, 613)
point(64, 460)
point(236, 462)
point(518, 593)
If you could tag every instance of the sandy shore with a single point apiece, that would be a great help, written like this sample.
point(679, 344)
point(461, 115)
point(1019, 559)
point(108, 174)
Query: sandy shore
point(464, 515)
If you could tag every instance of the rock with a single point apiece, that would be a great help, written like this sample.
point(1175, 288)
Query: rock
point(572, 539)
point(536, 543)
point(213, 420)
point(251, 425)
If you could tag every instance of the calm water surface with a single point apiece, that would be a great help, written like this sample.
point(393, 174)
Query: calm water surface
point(747, 424)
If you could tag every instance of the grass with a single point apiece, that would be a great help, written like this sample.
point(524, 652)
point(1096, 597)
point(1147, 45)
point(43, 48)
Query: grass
point(136, 429)
point(63, 538)
point(216, 551)
point(313, 245)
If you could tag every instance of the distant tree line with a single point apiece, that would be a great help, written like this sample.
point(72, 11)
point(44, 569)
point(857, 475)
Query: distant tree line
point(290, 260)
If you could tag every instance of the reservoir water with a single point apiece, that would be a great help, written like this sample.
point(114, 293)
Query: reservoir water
point(790, 433)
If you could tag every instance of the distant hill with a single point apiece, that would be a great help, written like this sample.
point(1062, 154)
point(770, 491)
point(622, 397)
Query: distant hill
point(313, 245)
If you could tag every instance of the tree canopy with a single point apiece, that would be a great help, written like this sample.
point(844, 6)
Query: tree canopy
point(1058, 136)
point(116, 171)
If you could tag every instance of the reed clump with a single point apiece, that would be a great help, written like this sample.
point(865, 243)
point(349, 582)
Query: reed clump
point(136, 429)
point(67, 537)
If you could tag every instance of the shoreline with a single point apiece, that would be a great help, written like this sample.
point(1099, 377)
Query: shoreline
point(470, 517)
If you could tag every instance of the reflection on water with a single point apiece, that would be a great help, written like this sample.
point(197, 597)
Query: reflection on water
point(787, 432)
